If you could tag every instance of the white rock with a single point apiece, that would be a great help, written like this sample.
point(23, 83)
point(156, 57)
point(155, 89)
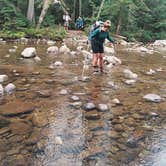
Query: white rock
point(9, 88)
point(58, 140)
point(150, 72)
point(53, 50)
point(130, 82)
point(73, 53)
point(63, 92)
point(109, 50)
point(123, 42)
point(24, 40)
point(1, 90)
point(3, 78)
point(37, 59)
point(112, 59)
point(12, 50)
point(58, 63)
point(115, 101)
point(152, 97)
point(29, 52)
point(51, 42)
point(64, 49)
point(79, 48)
point(160, 43)
point(129, 74)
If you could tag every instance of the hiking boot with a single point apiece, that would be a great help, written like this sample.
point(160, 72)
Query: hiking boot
point(102, 71)
point(95, 69)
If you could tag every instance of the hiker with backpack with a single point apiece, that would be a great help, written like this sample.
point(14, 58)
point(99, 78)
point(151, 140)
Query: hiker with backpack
point(66, 19)
point(79, 23)
point(97, 38)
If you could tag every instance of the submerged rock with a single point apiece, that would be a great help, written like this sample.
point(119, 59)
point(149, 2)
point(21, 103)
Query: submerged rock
point(9, 88)
point(89, 106)
point(103, 107)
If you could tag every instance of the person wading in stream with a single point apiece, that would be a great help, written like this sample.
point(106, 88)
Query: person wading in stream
point(97, 38)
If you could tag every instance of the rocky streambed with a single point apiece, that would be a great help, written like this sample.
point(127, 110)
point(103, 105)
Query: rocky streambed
point(53, 116)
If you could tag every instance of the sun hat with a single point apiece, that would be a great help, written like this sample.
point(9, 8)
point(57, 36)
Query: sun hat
point(107, 23)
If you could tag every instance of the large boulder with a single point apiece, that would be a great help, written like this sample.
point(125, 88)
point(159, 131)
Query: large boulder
point(160, 43)
point(29, 52)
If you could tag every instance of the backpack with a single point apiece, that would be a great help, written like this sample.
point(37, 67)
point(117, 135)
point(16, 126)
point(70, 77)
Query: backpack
point(93, 28)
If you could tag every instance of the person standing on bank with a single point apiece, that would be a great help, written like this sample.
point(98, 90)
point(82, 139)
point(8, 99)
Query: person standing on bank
point(66, 19)
point(97, 38)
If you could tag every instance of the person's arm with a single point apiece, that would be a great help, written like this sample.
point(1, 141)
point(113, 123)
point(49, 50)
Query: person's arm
point(94, 33)
point(110, 39)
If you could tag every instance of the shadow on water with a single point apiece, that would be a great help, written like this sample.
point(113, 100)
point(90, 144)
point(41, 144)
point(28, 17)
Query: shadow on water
point(45, 121)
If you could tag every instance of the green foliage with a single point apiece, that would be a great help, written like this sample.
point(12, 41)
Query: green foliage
point(11, 34)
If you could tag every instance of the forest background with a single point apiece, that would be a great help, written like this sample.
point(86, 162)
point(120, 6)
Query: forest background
point(138, 20)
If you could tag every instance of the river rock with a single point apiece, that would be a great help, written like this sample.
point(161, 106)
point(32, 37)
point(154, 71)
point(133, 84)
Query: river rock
point(29, 52)
point(63, 92)
point(57, 63)
point(75, 98)
point(3, 78)
point(76, 104)
point(58, 140)
point(51, 42)
point(44, 93)
point(161, 43)
point(92, 115)
point(152, 98)
point(20, 128)
point(40, 119)
point(130, 82)
point(3, 122)
point(109, 50)
point(52, 50)
point(37, 59)
point(64, 49)
point(103, 107)
point(10, 88)
point(112, 60)
point(16, 108)
point(89, 106)
point(116, 101)
point(113, 134)
point(132, 143)
point(129, 74)
point(1, 90)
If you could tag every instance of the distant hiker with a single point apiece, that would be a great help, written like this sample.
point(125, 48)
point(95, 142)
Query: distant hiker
point(79, 23)
point(97, 38)
point(67, 20)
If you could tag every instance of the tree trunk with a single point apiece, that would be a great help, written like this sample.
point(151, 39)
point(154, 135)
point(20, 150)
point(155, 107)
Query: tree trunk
point(46, 5)
point(63, 5)
point(118, 29)
point(101, 7)
point(74, 10)
point(80, 7)
point(30, 12)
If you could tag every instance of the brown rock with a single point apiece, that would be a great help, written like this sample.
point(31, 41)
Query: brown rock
point(16, 108)
point(20, 128)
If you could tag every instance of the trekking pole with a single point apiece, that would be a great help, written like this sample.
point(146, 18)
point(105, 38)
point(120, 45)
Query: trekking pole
point(84, 62)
